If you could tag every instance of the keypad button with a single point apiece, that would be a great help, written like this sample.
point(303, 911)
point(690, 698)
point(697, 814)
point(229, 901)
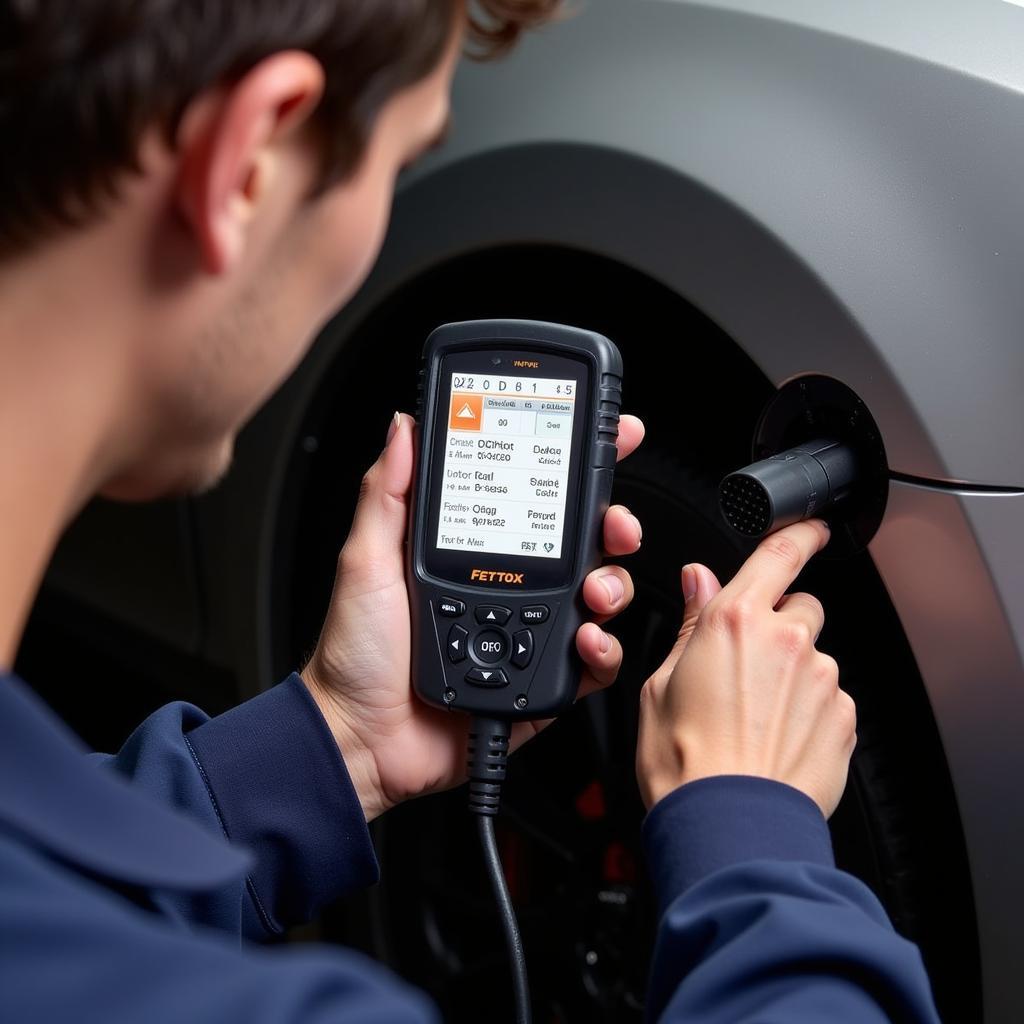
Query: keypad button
point(522, 648)
point(535, 613)
point(457, 640)
point(490, 646)
point(487, 677)
point(492, 614)
point(451, 607)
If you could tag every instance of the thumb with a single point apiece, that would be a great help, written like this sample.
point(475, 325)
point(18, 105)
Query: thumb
point(699, 586)
point(378, 524)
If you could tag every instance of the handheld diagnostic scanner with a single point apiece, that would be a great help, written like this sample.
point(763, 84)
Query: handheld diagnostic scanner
point(517, 422)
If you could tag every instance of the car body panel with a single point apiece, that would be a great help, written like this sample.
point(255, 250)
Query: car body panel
point(892, 175)
point(838, 187)
point(954, 564)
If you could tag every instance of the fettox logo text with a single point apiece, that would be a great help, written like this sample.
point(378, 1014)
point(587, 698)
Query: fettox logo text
point(497, 576)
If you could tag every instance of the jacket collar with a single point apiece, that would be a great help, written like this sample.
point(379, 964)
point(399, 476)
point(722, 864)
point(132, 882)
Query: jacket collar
point(88, 815)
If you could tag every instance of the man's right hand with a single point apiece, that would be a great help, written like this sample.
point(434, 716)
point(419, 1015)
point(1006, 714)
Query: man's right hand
point(743, 691)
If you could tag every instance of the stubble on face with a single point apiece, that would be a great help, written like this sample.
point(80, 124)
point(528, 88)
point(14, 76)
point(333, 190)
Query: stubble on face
point(232, 366)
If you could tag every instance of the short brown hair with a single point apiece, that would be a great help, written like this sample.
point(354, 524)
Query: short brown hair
point(80, 80)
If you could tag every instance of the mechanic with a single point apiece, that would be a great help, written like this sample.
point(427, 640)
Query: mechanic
point(189, 189)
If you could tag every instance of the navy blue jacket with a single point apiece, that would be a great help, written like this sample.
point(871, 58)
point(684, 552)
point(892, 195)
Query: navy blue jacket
point(137, 888)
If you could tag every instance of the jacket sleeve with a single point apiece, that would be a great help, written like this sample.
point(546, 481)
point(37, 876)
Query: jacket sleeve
point(69, 951)
point(267, 775)
point(757, 924)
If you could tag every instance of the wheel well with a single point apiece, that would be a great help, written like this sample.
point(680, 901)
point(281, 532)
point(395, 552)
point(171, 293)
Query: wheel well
point(700, 397)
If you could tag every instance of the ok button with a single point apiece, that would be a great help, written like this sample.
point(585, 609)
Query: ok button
point(490, 646)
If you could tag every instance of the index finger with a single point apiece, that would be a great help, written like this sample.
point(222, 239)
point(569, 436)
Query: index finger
point(769, 572)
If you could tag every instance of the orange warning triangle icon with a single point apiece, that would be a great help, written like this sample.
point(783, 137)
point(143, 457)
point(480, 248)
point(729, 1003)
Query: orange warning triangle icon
point(466, 412)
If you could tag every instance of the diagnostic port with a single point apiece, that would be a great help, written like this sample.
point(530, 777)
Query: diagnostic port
point(819, 454)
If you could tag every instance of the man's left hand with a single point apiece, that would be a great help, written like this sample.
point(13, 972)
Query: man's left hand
point(394, 745)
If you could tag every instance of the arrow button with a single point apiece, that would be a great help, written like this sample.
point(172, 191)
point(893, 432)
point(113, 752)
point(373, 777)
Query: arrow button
point(522, 648)
point(457, 637)
point(492, 614)
point(487, 677)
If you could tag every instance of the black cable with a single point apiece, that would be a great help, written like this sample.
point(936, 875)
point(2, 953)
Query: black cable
point(516, 956)
point(488, 755)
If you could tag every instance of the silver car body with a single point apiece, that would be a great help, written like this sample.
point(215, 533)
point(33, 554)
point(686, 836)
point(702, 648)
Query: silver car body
point(841, 187)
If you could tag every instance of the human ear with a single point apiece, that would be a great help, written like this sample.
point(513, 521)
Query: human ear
point(227, 144)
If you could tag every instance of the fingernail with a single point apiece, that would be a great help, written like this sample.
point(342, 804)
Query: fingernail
point(639, 527)
point(396, 422)
point(689, 583)
point(614, 586)
point(606, 642)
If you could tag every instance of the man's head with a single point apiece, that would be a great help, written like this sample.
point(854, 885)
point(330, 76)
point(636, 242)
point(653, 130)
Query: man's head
point(220, 172)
